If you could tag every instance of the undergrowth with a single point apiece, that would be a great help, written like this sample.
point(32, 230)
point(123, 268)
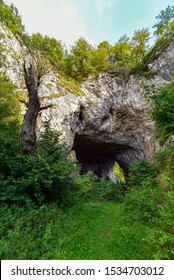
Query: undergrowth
point(99, 225)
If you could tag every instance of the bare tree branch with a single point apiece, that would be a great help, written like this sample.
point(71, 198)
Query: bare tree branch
point(24, 102)
point(46, 107)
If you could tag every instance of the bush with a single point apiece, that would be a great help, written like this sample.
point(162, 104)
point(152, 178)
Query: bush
point(108, 190)
point(161, 232)
point(25, 231)
point(141, 171)
point(162, 102)
point(92, 188)
point(41, 176)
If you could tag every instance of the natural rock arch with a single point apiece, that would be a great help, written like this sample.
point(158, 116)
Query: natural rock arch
point(100, 157)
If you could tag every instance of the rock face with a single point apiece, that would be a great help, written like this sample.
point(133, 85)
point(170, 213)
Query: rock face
point(109, 122)
point(113, 125)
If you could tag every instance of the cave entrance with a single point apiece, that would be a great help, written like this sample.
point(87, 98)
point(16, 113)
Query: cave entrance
point(100, 157)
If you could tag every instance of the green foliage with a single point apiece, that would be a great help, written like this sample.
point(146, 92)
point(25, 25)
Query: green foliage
point(52, 49)
point(140, 44)
point(2, 56)
point(9, 120)
point(142, 67)
point(151, 206)
point(39, 177)
point(140, 172)
point(101, 57)
point(119, 172)
point(162, 102)
point(164, 21)
point(164, 158)
point(140, 227)
point(10, 17)
point(108, 190)
point(142, 203)
point(9, 104)
point(92, 218)
point(85, 184)
point(78, 62)
point(84, 232)
point(129, 54)
point(92, 188)
point(83, 60)
point(122, 52)
point(164, 241)
point(70, 84)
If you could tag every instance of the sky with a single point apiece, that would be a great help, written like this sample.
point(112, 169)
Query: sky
point(95, 20)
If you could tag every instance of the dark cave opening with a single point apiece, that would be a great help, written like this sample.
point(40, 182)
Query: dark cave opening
point(100, 156)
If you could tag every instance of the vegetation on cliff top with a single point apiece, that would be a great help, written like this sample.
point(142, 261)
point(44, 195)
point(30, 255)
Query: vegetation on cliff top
point(128, 55)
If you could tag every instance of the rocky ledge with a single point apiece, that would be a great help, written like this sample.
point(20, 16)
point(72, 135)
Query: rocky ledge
point(108, 122)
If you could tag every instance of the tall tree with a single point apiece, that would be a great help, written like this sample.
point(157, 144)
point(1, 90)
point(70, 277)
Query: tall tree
point(28, 130)
point(164, 20)
point(52, 49)
point(78, 62)
point(162, 112)
point(140, 43)
point(101, 57)
point(122, 50)
point(9, 119)
point(10, 17)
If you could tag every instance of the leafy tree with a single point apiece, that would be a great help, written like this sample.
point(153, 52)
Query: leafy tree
point(39, 177)
point(10, 17)
point(140, 44)
point(141, 171)
point(78, 61)
point(122, 50)
point(52, 49)
point(9, 104)
point(101, 57)
point(162, 102)
point(9, 122)
point(28, 131)
point(9, 113)
point(164, 21)
point(105, 45)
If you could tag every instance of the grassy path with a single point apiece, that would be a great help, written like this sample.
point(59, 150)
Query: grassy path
point(88, 231)
point(96, 231)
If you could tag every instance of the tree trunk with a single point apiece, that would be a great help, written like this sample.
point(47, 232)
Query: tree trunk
point(28, 130)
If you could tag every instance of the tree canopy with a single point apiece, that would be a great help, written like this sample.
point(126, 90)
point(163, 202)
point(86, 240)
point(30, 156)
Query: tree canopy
point(165, 21)
point(162, 112)
point(10, 17)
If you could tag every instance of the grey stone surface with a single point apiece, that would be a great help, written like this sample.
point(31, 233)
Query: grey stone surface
point(109, 122)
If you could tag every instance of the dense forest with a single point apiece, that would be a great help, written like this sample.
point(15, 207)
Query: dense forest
point(50, 211)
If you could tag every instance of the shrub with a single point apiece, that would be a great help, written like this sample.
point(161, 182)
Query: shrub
point(108, 190)
point(141, 204)
point(162, 102)
point(41, 176)
point(92, 188)
point(25, 231)
point(141, 171)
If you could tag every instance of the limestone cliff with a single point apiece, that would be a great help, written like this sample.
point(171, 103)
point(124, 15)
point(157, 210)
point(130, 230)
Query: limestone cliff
point(107, 120)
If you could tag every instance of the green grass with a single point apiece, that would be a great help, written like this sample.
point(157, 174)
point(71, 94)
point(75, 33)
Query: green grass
point(139, 226)
point(87, 231)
